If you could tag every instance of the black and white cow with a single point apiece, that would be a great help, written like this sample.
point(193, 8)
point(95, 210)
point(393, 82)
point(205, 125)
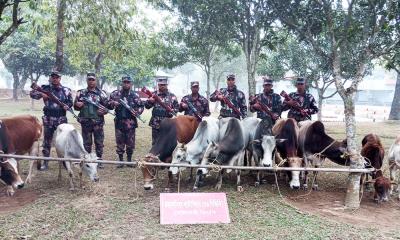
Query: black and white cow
point(228, 150)
point(192, 152)
point(69, 144)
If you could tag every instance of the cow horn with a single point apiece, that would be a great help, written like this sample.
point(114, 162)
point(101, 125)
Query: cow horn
point(393, 183)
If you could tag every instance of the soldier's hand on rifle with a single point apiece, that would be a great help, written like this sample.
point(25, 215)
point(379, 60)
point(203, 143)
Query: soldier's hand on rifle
point(220, 97)
point(115, 103)
point(45, 97)
point(257, 106)
point(291, 103)
point(79, 104)
point(66, 108)
point(184, 105)
point(151, 100)
point(101, 112)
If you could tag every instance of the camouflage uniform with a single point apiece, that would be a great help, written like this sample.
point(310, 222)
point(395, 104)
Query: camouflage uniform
point(159, 113)
point(306, 101)
point(237, 98)
point(54, 114)
point(92, 123)
point(125, 122)
point(270, 99)
point(200, 103)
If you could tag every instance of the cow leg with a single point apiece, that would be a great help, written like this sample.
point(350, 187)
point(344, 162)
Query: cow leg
point(71, 176)
point(191, 175)
point(219, 182)
point(305, 181)
point(34, 151)
point(315, 183)
point(170, 180)
point(238, 182)
point(60, 165)
point(80, 178)
point(199, 180)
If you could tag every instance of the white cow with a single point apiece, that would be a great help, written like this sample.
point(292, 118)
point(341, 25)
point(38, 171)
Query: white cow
point(394, 164)
point(69, 144)
point(191, 153)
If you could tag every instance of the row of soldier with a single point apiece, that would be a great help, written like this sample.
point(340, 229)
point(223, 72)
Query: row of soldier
point(93, 103)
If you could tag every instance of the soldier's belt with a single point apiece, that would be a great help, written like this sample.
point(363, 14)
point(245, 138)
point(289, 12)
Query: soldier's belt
point(54, 112)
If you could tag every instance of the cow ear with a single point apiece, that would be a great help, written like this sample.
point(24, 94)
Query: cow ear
point(257, 141)
point(213, 143)
point(280, 140)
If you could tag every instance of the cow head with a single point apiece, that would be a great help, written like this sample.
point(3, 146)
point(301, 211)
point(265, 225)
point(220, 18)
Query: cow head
point(268, 145)
point(295, 162)
point(149, 172)
point(178, 156)
point(9, 174)
point(90, 169)
point(382, 187)
point(210, 154)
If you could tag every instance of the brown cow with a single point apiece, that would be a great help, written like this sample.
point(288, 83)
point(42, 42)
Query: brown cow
point(373, 152)
point(25, 132)
point(314, 140)
point(181, 129)
point(287, 130)
point(382, 187)
point(21, 136)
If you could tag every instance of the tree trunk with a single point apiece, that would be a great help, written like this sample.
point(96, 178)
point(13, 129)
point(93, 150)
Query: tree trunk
point(15, 85)
point(320, 99)
point(61, 7)
point(395, 109)
point(99, 60)
point(207, 69)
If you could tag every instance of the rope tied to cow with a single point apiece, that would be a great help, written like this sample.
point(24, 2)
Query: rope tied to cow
point(319, 154)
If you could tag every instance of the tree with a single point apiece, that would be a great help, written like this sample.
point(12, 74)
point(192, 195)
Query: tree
point(360, 31)
point(61, 8)
point(12, 19)
point(26, 59)
point(393, 63)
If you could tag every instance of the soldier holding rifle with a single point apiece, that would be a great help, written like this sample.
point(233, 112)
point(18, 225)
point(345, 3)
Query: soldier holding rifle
point(301, 105)
point(91, 102)
point(128, 108)
point(164, 104)
point(57, 101)
point(233, 101)
point(195, 104)
point(267, 104)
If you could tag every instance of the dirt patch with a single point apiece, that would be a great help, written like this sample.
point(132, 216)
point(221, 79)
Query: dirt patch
point(20, 199)
point(330, 205)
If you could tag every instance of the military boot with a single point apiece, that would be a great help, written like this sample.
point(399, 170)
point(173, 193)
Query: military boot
point(100, 165)
point(121, 159)
point(129, 159)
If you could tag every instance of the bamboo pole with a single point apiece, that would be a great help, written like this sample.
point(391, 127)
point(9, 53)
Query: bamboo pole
point(135, 163)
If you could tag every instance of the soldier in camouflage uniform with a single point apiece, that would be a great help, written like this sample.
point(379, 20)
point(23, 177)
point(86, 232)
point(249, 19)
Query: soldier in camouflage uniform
point(54, 114)
point(125, 121)
point(305, 100)
point(91, 117)
point(236, 96)
point(268, 98)
point(199, 102)
point(159, 113)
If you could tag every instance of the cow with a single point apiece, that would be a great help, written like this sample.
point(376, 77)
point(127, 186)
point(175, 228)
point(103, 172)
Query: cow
point(228, 150)
point(263, 146)
point(315, 145)
point(287, 129)
point(68, 143)
point(18, 135)
point(172, 130)
point(382, 187)
point(394, 164)
point(373, 152)
point(191, 153)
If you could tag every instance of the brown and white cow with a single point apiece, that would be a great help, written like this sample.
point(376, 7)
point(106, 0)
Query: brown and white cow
point(314, 140)
point(288, 130)
point(172, 130)
point(394, 164)
point(19, 135)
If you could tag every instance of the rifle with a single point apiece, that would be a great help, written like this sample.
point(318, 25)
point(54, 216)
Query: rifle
point(296, 106)
point(125, 104)
point(53, 98)
point(265, 108)
point(194, 110)
point(229, 103)
point(98, 105)
point(158, 100)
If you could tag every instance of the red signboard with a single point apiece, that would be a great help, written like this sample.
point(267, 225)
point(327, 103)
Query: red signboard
point(193, 208)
